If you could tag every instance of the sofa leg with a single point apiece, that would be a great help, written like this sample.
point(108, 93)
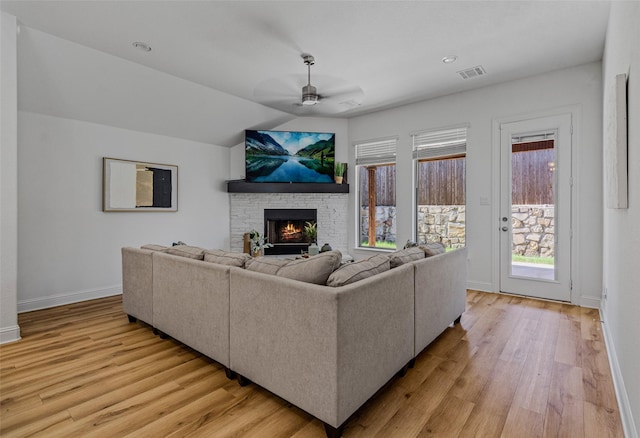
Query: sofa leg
point(162, 334)
point(333, 432)
point(132, 318)
point(242, 380)
point(458, 319)
point(230, 373)
point(412, 363)
point(403, 371)
point(155, 331)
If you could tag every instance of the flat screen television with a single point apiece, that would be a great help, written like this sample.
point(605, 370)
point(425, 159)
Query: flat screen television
point(289, 156)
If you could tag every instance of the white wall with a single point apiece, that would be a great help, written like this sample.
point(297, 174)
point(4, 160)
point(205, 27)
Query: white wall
point(9, 330)
point(578, 88)
point(68, 249)
point(621, 308)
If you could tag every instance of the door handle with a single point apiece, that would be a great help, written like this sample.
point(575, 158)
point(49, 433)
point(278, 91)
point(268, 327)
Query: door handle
point(505, 228)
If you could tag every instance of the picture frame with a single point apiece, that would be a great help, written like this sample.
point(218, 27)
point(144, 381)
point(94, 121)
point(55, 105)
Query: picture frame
point(138, 186)
point(616, 172)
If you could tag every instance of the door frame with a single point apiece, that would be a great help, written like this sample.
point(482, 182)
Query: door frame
point(576, 118)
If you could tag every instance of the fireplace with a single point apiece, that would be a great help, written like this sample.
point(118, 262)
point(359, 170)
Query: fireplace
point(284, 229)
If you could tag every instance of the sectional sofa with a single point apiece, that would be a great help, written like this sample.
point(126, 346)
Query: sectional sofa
point(322, 336)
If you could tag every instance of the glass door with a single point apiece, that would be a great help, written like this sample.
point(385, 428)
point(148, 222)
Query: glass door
point(535, 211)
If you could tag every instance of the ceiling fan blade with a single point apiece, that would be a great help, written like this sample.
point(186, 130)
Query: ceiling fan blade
point(284, 88)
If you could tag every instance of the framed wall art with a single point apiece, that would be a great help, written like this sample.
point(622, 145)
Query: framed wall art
point(615, 148)
point(138, 186)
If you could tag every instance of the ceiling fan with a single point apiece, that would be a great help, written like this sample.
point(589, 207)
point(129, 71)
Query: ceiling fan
point(337, 95)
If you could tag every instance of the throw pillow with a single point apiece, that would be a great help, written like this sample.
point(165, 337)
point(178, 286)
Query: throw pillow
point(265, 265)
point(153, 247)
point(227, 258)
point(352, 272)
point(315, 269)
point(405, 256)
point(433, 248)
point(191, 252)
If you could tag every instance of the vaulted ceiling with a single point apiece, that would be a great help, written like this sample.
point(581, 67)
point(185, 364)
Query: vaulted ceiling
point(219, 67)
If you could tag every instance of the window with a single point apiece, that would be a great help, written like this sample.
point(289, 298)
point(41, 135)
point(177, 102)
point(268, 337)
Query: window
point(440, 158)
point(376, 170)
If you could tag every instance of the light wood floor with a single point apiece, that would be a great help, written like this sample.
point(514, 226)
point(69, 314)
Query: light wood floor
point(514, 367)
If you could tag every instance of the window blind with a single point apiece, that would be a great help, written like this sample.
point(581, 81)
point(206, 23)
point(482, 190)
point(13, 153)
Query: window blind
point(437, 144)
point(376, 152)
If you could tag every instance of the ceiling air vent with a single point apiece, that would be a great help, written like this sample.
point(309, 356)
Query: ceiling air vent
point(472, 72)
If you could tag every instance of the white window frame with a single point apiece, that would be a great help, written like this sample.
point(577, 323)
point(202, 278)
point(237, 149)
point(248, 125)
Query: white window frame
point(381, 151)
point(434, 144)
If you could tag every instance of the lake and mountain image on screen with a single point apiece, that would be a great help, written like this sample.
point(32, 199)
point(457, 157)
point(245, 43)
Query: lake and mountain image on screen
point(284, 156)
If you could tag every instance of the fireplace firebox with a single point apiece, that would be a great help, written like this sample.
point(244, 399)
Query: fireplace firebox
point(284, 229)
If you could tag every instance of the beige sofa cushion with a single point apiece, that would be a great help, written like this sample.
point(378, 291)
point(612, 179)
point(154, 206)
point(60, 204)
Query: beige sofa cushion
point(191, 252)
point(154, 247)
point(222, 257)
point(352, 272)
point(266, 265)
point(405, 256)
point(433, 248)
point(315, 269)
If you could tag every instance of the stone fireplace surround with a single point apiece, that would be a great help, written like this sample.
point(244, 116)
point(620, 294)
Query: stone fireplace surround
point(247, 213)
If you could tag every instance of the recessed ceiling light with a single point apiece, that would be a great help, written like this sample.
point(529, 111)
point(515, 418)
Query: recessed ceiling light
point(142, 46)
point(449, 59)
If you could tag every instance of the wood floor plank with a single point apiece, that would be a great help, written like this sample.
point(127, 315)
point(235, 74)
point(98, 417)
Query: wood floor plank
point(195, 413)
point(568, 348)
point(41, 426)
point(490, 412)
point(523, 421)
point(243, 415)
point(84, 390)
point(565, 411)
point(514, 366)
point(410, 419)
point(601, 422)
point(448, 419)
point(532, 392)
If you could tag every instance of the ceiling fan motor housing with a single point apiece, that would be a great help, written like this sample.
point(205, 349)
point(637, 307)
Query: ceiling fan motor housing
point(309, 95)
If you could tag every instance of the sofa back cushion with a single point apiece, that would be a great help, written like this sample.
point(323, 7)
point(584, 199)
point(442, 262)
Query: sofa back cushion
point(222, 257)
point(191, 252)
point(265, 265)
point(405, 256)
point(433, 248)
point(352, 272)
point(154, 247)
point(315, 269)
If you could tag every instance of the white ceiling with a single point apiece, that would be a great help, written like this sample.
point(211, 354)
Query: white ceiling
point(217, 58)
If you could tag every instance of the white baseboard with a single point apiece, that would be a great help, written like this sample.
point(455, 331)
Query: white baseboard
point(70, 298)
point(9, 334)
point(482, 287)
point(626, 415)
point(591, 302)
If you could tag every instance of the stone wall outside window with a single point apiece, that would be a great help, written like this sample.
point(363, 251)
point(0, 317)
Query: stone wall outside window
point(533, 227)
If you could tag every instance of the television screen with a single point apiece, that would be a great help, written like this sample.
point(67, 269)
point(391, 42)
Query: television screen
point(286, 156)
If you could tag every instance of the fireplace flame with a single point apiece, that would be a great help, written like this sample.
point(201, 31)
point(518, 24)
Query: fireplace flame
point(290, 232)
